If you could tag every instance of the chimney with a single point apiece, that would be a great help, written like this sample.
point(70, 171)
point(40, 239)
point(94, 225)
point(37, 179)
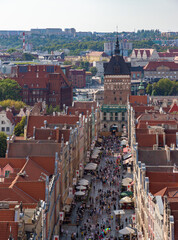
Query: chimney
point(155, 147)
point(56, 162)
point(57, 134)
point(34, 130)
point(171, 222)
point(7, 153)
point(147, 184)
point(173, 146)
point(164, 139)
point(157, 139)
point(168, 153)
point(54, 114)
point(62, 140)
point(45, 123)
point(16, 217)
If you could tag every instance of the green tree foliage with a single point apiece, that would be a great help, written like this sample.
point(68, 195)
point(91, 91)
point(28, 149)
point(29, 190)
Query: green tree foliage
point(28, 57)
point(149, 89)
point(12, 103)
point(93, 70)
point(50, 109)
point(11, 50)
point(9, 89)
point(84, 65)
point(3, 144)
point(19, 128)
point(56, 109)
point(164, 87)
point(67, 63)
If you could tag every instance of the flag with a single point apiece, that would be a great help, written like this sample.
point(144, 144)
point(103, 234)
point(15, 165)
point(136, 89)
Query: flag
point(61, 216)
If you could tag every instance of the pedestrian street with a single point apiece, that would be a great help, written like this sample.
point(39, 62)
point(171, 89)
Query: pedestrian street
point(96, 217)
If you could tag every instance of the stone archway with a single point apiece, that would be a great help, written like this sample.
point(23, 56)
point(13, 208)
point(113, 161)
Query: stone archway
point(114, 128)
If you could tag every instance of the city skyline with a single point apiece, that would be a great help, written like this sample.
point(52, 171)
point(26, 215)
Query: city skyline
point(99, 16)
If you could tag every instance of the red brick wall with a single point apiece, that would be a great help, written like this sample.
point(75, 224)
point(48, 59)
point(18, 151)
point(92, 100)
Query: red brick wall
point(78, 78)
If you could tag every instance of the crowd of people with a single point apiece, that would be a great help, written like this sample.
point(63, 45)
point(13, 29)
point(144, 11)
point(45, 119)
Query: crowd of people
point(98, 219)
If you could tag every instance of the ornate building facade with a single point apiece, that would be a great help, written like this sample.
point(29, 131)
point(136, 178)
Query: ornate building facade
point(117, 87)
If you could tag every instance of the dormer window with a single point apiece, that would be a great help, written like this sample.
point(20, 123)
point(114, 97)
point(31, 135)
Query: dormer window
point(7, 174)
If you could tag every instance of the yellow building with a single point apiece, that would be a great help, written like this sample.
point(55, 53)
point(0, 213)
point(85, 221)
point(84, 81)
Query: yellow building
point(97, 56)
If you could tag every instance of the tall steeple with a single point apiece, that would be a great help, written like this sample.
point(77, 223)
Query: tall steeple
point(117, 51)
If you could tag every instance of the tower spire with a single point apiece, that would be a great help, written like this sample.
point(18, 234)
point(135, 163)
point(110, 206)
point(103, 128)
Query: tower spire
point(117, 51)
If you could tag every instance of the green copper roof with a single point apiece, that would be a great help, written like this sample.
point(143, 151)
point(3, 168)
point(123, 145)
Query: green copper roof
point(113, 108)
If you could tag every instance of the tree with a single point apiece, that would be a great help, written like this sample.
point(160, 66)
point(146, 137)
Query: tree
point(164, 87)
point(3, 144)
point(174, 89)
point(11, 50)
point(19, 128)
point(84, 65)
point(9, 89)
point(57, 108)
point(28, 57)
point(149, 89)
point(12, 103)
point(49, 109)
point(93, 70)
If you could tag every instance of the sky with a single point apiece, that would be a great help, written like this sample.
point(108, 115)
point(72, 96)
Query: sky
point(89, 15)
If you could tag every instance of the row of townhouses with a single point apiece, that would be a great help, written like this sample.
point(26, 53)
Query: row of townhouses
point(41, 169)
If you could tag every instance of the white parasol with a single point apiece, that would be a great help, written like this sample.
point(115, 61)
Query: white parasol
point(125, 200)
point(79, 193)
point(81, 187)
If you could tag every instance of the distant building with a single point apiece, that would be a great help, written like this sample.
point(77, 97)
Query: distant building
point(100, 68)
point(77, 77)
point(137, 73)
point(70, 31)
point(140, 57)
point(43, 83)
point(158, 70)
point(88, 77)
point(99, 96)
point(97, 56)
point(123, 46)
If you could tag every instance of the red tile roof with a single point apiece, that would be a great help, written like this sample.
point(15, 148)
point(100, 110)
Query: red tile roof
point(7, 214)
point(146, 140)
point(133, 99)
point(5, 230)
point(85, 105)
point(38, 121)
point(14, 162)
point(162, 192)
point(173, 50)
point(52, 134)
point(152, 66)
point(141, 51)
point(174, 109)
point(77, 111)
point(36, 190)
point(167, 54)
point(32, 148)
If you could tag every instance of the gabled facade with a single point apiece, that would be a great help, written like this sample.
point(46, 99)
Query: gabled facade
point(7, 122)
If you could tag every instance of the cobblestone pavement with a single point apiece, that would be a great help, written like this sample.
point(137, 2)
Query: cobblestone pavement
point(100, 217)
